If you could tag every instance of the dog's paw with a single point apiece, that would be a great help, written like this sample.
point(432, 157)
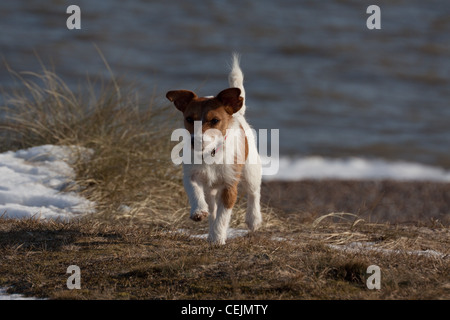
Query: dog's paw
point(216, 240)
point(199, 215)
point(253, 222)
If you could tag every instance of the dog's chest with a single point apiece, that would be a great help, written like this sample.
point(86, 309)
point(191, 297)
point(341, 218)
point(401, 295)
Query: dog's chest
point(214, 175)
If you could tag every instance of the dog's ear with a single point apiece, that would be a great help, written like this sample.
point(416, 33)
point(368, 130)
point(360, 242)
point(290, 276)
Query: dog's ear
point(231, 99)
point(181, 98)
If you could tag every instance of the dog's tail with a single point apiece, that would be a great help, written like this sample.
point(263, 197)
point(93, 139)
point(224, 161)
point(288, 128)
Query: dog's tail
point(236, 79)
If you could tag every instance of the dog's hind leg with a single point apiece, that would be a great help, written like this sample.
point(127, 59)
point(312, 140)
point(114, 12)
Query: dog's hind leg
point(253, 217)
point(252, 186)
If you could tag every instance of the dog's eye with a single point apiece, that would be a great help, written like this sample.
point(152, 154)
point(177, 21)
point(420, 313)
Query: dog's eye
point(215, 121)
point(190, 120)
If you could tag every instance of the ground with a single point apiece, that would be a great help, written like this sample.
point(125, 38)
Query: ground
point(304, 261)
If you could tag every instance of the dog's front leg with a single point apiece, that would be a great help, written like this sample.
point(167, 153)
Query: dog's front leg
point(219, 227)
point(211, 199)
point(196, 195)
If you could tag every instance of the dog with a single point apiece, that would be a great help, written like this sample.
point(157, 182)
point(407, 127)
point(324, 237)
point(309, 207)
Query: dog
point(212, 186)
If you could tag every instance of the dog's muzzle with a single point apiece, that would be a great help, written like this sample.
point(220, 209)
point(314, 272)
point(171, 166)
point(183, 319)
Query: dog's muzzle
point(213, 152)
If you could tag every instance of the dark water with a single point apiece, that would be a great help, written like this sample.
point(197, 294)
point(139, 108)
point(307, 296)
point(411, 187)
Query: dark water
point(312, 68)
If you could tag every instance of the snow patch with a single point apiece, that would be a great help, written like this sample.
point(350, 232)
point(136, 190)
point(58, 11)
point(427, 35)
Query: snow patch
point(231, 233)
point(6, 296)
point(355, 168)
point(360, 247)
point(32, 183)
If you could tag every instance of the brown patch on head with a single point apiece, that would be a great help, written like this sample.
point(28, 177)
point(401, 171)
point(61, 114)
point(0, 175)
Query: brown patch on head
point(214, 113)
point(231, 99)
point(181, 98)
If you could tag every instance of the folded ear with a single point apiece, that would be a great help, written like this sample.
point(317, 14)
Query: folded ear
point(231, 99)
point(181, 98)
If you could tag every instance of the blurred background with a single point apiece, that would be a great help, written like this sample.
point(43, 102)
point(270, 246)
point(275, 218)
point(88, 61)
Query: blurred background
point(335, 89)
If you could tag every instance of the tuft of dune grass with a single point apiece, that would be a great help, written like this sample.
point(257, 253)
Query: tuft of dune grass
point(129, 174)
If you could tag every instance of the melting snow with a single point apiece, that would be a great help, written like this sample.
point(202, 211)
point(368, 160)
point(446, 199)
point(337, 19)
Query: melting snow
point(32, 183)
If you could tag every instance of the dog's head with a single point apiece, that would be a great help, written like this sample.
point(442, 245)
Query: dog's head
point(214, 113)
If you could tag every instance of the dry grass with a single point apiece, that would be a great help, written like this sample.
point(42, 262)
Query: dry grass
point(120, 261)
point(130, 167)
point(131, 248)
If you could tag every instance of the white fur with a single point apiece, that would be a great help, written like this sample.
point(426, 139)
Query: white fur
point(204, 183)
point(236, 79)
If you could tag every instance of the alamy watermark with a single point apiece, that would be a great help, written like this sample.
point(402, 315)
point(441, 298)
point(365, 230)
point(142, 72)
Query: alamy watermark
point(74, 281)
point(374, 21)
point(374, 280)
point(74, 20)
point(211, 147)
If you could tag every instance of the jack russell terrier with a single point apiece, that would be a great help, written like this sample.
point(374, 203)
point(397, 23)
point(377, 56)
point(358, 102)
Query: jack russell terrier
point(226, 145)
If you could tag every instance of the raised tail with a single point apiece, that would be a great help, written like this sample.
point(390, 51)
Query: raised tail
point(236, 78)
